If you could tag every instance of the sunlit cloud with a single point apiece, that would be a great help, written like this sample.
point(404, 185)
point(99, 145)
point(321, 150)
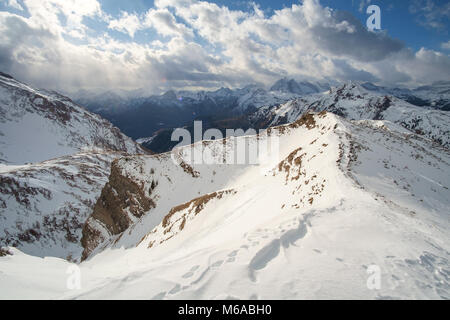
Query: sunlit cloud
point(203, 45)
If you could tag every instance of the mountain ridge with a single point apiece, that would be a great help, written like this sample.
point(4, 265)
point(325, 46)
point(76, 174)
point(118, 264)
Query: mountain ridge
point(336, 180)
point(353, 101)
point(56, 157)
point(353, 180)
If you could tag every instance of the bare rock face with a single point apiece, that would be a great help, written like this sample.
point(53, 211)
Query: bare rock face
point(122, 201)
point(43, 206)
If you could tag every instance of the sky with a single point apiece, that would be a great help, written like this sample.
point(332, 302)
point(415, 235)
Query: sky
point(69, 45)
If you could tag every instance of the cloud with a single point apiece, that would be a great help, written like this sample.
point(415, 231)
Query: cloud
point(162, 20)
point(202, 44)
point(165, 23)
point(363, 5)
point(445, 45)
point(62, 17)
point(128, 23)
point(14, 4)
point(427, 64)
point(430, 14)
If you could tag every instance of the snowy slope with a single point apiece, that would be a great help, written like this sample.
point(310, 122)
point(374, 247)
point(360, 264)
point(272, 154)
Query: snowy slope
point(344, 196)
point(37, 125)
point(55, 158)
point(436, 95)
point(43, 206)
point(355, 102)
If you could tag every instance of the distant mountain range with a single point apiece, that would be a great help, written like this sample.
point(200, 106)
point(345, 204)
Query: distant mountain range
point(353, 100)
point(140, 116)
point(436, 95)
point(363, 102)
point(153, 118)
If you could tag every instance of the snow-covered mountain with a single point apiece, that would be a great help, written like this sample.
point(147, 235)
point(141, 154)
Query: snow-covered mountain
point(436, 95)
point(43, 206)
point(37, 125)
point(156, 116)
point(251, 96)
point(343, 199)
point(141, 117)
point(357, 185)
point(55, 159)
point(353, 101)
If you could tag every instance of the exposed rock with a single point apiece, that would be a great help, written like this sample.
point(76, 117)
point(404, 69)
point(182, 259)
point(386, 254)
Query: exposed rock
point(5, 252)
point(121, 200)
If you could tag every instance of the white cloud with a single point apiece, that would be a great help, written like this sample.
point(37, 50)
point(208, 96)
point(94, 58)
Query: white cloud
point(237, 47)
point(430, 14)
point(445, 45)
point(127, 23)
point(47, 14)
point(165, 23)
point(162, 20)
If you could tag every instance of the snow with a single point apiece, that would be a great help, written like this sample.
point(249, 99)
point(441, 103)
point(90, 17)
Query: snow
point(50, 198)
point(54, 160)
point(309, 228)
point(37, 125)
point(355, 102)
point(145, 140)
point(341, 196)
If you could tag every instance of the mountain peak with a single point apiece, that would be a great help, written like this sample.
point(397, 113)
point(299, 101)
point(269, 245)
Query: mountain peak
point(169, 95)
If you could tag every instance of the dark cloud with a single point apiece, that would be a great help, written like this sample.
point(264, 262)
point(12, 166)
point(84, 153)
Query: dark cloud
point(360, 44)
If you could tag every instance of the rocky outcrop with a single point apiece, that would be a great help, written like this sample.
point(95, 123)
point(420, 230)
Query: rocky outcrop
point(122, 200)
point(44, 206)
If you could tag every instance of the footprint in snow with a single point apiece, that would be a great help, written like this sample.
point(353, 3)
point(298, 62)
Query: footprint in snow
point(188, 275)
point(217, 264)
point(159, 296)
point(191, 272)
point(175, 289)
point(234, 253)
point(195, 268)
point(232, 256)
